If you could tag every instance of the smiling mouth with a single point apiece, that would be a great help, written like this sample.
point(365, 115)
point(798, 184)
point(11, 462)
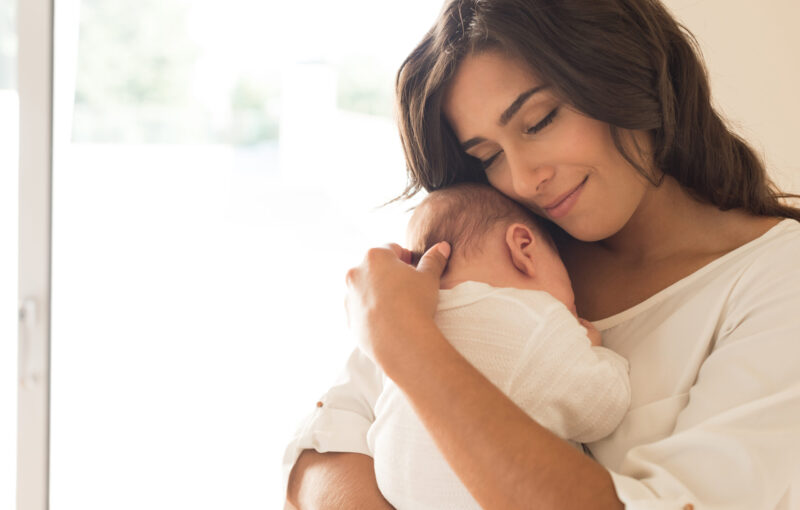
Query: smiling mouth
point(561, 200)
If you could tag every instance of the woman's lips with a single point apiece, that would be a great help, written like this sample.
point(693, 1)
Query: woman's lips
point(563, 205)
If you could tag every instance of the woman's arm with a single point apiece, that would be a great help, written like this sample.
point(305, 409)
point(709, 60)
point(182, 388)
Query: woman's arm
point(339, 422)
point(321, 481)
point(502, 456)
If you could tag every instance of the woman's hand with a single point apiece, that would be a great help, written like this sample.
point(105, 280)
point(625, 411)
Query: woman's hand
point(389, 301)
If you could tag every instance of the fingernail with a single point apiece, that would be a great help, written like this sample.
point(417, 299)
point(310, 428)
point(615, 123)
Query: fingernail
point(444, 249)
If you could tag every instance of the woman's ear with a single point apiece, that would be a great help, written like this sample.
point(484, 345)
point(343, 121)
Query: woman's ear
point(520, 242)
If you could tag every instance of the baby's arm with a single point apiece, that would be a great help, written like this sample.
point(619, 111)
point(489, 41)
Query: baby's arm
point(577, 389)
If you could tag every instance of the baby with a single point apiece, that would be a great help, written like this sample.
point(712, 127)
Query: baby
point(506, 304)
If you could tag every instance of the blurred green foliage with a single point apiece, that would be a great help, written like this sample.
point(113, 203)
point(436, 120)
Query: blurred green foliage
point(255, 111)
point(365, 85)
point(136, 67)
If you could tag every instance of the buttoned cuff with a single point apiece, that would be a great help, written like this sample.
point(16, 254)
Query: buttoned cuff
point(327, 430)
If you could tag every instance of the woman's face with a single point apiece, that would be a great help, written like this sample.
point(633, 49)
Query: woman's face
point(540, 151)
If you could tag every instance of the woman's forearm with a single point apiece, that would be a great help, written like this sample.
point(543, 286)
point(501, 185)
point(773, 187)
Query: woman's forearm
point(323, 481)
point(502, 456)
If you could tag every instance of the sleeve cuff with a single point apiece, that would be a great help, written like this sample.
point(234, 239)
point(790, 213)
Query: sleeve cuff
point(636, 496)
point(327, 430)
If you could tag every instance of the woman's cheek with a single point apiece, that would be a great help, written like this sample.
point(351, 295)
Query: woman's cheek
point(609, 207)
point(500, 179)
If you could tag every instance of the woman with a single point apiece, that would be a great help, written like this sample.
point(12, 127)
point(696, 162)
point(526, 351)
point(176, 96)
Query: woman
point(595, 114)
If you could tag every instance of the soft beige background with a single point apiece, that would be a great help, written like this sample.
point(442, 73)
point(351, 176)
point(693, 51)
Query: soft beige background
point(752, 50)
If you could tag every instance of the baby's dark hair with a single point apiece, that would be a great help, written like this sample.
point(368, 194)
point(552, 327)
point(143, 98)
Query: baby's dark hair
point(462, 214)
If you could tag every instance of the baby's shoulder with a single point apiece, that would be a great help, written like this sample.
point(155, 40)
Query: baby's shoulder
point(477, 302)
point(536, 303)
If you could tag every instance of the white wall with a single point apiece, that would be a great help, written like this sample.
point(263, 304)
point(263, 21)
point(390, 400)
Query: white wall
point(752, 50)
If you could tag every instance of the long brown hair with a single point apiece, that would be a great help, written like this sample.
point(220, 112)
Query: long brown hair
point(628, 63)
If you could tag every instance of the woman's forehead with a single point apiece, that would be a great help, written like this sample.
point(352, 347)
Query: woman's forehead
point(487, 82)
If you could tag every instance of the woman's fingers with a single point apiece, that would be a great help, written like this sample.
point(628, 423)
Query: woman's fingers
point(402, 253)
point(385, 293)
point(434, 260)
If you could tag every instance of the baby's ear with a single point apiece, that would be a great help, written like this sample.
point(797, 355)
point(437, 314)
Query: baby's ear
point(521, 241)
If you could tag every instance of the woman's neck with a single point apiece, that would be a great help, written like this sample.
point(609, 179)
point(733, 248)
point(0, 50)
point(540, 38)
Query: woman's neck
point(670, 222)
point(669, 237)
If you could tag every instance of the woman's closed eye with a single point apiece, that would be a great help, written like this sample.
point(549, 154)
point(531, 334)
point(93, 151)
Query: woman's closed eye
point(543, 123)
point(486, 163)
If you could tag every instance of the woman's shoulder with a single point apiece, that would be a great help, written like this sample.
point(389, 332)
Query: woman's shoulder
point(771, 258)
point(760, 273)
point(743, 230)
point(779, 246)
point(768, 266)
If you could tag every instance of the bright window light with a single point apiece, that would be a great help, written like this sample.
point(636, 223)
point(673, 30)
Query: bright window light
point(218, 169)
point(9, 140)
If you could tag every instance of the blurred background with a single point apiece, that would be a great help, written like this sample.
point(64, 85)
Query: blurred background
point(217, 169)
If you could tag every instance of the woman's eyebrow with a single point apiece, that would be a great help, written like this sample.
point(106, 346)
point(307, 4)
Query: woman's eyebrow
point(517, 104)
point(506, 115)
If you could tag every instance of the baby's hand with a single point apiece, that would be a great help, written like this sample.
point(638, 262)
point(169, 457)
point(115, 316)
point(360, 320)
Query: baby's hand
point(592, 332)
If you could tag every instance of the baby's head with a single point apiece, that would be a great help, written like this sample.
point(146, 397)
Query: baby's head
point(493, 240)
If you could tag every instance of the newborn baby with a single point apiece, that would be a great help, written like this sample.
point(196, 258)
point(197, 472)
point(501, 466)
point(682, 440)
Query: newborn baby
point(506, 304)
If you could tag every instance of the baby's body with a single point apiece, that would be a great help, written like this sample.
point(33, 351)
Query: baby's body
point(507, 306)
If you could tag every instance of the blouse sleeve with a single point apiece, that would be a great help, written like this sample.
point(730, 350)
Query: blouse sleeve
point(341, 418)
point(736, 444)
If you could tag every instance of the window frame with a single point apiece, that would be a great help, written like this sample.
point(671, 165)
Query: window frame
point(35, 88)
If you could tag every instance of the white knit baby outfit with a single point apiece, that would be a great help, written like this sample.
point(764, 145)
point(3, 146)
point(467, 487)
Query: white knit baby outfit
point(532, 348)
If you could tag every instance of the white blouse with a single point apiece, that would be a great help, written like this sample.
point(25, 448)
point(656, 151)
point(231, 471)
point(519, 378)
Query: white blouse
point(714, 421)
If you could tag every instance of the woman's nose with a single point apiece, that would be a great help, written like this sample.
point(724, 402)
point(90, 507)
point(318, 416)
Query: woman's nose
point(529, 174)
